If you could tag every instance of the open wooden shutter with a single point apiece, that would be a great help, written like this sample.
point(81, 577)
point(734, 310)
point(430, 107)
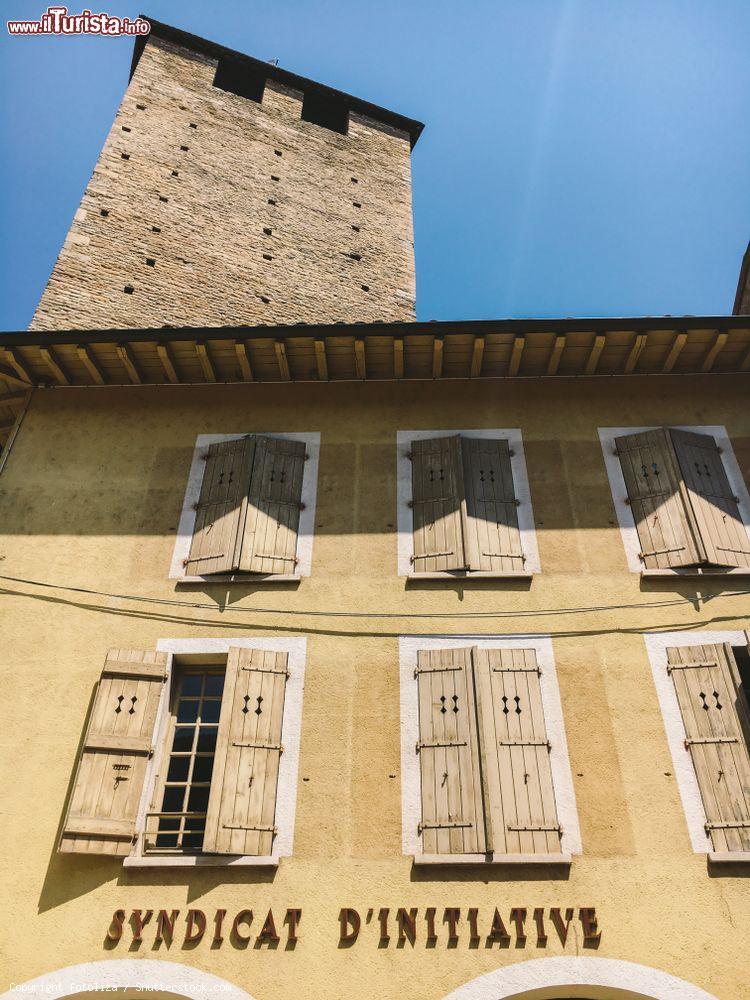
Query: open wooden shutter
point(491, 536)
point(517, 752)
point(222, 507)
point(111, 767)
point(712, 499)
point(658, 498)
point(242, 803)
point(269, 543)
point(717, 729)
point(452, 800)
point(438, 501)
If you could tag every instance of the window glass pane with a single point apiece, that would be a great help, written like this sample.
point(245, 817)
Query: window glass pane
point(210, 711)
point(183, 738)
point(179, 768)
point(214, 685)
point(202, 768)
point(187, 710)
point(174, 796)
point(207, 739)
point(198, 800)
point(191, 685)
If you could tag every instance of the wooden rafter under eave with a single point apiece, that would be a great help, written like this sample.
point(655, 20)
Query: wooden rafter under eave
point(127, 357)
point(281, 359)
point(205, 359)
point(240, 350)
point(636, 350)
point(53, 363)
point(596, 349)
point(516, 355)
point(719, 340)
point(555, 354)
point(13, 358)
point(477, 356)
point(86, 355)
point(360, 358)
point(398, 357)
point(12, 377)
point(680, 339)
point(321, 360)
point(167, 362)
point(437, 357)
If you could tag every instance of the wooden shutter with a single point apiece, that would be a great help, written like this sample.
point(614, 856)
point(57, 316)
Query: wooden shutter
point(452, 799)
point(242, 803)
point(111, 767)
point(717, 729)
point(658, 498)
point(517, 752)
point(269, 543)
point(438, 501)
point(222, 508)
point(713, 502)
point(491, 536)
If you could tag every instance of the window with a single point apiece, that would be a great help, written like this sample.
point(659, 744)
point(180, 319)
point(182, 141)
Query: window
point(463, 505)
point(702, 686)
point(219, 786)
point(326, 112)
point(249, 508)
point(680, 499)
point(240, 78)
point(484, 759)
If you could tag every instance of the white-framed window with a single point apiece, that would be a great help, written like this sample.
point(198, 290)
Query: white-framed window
point(702, 681)
point(464, 506)
point(191, 755)
point(249, 508)
point(484, 759)
point(681, 501)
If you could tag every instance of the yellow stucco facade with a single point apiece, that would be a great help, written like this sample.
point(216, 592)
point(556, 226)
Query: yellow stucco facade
point(90, 496)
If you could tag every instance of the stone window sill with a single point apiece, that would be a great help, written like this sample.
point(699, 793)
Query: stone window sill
point(690, 571)
point(461, 575)
point(500, 859)
point(200, 861)
point(729, 857)
point(248, 578)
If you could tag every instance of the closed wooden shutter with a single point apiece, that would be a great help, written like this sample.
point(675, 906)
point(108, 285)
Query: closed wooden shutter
point(453, 819)
point(269, 543)
point(242, 803)
point(491, 536)
point(438, 501)
point(717, 729)
point(658, 498)
point(712, 499)
point(111, 767)
point(517, 753)
point(222, 508)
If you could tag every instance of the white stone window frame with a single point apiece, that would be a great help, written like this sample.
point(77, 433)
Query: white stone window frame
point(625, 518)
point(306, 530)
point(405, 517)
point(291, 729)
point(657, 644)
point(411, 780)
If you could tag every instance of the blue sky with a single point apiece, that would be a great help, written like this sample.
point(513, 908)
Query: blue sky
point(580, 157)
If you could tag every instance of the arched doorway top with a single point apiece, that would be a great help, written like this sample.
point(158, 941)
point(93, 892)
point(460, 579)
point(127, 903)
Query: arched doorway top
point(126, 973)
point(592, 978)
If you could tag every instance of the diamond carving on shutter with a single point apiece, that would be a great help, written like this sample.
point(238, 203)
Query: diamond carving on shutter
point(452, 807)
point(269, 544)
point(222, 508)
point(111, 767)
point(717, 728)
point(492, 539)
point(714, 504)
point(437, 502)
point(242, 803)
point(517, 752)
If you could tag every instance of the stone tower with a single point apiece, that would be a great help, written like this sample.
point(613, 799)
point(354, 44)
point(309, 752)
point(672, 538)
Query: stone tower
point(230, 191)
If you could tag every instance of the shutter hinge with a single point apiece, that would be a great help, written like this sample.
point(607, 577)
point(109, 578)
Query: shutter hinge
point(409, 455)
point(440, 743)
point(530, 828)
point(279, 747)
point(458, 825)
point(703, 740)
point(524, 743)
point(690, 664)
point(511, 453)
point(739, 824)
point(260, 829)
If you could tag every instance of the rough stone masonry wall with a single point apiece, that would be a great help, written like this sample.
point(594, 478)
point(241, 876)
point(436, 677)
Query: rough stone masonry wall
point(208, 209)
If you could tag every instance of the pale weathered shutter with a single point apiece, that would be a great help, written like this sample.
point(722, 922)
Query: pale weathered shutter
point(269, 542)
point(452, 799)
point(111, 768)
point(516, 753)
point(658, 498)
point(491, 536)
point(222, 507)
point(242, 803)
point(438, 501)
point(717, 728)
point(714, 504)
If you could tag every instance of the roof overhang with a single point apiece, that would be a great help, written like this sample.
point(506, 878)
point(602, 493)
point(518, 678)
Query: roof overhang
point(195, 43)
point(486, 349)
